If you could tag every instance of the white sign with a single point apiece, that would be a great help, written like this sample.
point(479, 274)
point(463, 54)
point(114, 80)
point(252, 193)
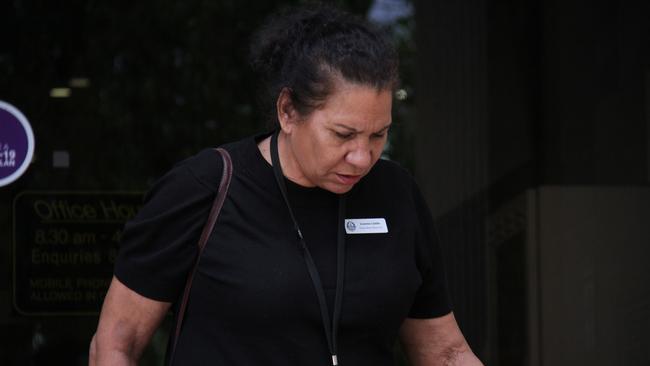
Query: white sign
point(366, 226)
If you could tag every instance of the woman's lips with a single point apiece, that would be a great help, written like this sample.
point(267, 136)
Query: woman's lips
point(348, 179)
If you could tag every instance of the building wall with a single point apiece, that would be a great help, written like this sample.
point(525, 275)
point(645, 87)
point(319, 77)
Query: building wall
point(514, 95)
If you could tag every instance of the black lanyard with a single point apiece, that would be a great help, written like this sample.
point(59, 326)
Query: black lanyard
point(331, 329)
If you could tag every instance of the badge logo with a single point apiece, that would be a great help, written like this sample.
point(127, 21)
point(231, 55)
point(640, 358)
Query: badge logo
point(350, 225)
point(16, 144)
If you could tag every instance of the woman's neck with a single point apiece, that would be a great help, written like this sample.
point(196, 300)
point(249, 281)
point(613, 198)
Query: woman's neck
point(290, 168)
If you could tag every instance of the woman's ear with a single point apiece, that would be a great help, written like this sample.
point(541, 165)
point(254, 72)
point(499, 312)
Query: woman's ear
point(287, 114)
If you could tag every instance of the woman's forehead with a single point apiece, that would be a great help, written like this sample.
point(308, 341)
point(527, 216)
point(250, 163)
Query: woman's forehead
point(357, 108)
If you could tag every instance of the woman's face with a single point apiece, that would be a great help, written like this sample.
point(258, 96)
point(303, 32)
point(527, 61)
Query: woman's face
point(335, 145)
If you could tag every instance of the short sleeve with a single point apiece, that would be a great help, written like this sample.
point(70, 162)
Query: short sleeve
point(432, 298)
point(159, 245)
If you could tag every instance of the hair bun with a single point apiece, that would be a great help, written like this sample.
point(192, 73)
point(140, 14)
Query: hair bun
point(275, 40)
point(292, 47)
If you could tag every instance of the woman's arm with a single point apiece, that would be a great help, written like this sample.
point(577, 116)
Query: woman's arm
point(436, 342)
point(126, 323)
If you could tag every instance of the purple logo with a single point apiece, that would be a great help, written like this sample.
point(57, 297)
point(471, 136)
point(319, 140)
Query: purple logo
point(16, 144)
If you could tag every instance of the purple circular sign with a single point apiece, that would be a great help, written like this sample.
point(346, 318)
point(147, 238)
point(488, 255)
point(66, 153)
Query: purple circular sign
point(16, 144)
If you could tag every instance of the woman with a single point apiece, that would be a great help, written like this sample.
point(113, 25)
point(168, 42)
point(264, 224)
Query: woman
point(322, 254)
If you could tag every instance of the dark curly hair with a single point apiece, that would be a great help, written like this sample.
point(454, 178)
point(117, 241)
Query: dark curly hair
point(305, 49)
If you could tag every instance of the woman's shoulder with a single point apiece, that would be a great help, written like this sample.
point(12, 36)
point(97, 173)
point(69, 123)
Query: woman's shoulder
point(387, 179)
point(206, 166)
point(390, 174)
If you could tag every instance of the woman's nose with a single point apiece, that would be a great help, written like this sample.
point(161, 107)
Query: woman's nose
point(360, 157)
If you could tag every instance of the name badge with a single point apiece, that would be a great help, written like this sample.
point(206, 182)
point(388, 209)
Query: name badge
point(366, 226)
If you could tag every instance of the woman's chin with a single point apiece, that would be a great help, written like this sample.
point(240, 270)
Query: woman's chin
point(337, 188)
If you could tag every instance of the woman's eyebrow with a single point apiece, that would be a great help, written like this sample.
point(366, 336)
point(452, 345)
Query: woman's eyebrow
point(346, 127)
point(384, 128)
point(352, 129)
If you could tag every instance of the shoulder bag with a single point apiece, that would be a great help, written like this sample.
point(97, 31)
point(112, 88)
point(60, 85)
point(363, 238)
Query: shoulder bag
point(203, 239)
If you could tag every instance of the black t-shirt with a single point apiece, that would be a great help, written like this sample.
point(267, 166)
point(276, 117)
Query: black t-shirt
point(252, 301)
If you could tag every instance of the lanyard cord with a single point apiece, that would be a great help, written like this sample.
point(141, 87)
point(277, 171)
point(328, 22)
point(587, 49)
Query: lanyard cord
point(331, 329)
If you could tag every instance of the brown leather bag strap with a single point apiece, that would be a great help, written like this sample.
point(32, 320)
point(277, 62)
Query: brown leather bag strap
point(205, 234)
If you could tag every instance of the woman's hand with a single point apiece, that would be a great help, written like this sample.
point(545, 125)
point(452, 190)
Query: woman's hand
point(126, 323)
point(436, 342)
